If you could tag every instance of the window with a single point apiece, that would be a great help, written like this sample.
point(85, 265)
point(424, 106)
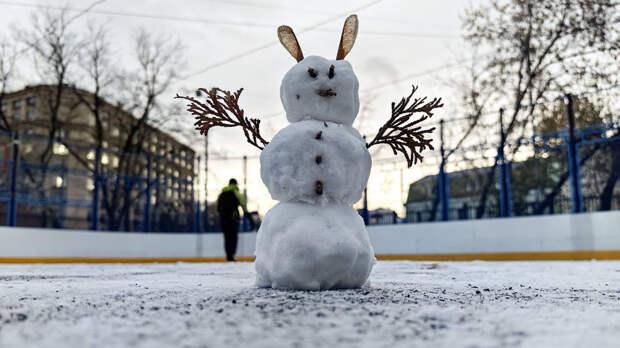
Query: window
point(3, 107)
point(59, 181)
point(31, 101)
point(30, 114)
point(17, 104)
point(114, 131)
point(60, 149)
point(469, 187)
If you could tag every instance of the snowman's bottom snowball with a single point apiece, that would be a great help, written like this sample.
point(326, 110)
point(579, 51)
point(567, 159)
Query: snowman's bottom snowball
point(313, 247)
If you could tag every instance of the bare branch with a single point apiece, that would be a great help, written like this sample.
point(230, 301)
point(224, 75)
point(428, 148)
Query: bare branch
point(222, 110)
point(403, 135)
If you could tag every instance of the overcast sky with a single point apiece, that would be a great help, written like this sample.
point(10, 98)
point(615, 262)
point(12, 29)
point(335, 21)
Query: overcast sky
point(233, 43)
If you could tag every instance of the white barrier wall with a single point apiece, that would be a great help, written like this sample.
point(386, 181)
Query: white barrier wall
point(591, 231)
point(570, 232)
point(37, 242)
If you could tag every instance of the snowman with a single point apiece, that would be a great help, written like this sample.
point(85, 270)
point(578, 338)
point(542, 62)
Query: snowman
point(317, 168)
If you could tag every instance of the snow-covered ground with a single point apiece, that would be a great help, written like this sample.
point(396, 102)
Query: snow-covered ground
point(469, 304)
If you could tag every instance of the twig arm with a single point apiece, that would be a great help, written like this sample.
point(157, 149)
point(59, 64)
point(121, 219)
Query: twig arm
point(221, 109)
point(404, 134)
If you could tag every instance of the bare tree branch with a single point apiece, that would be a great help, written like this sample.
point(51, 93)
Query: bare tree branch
point(403, 135)
point(222, 110)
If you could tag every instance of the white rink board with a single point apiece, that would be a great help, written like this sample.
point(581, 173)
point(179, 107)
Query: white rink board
point(591, 231)
point(37, 242)
point(568, 232)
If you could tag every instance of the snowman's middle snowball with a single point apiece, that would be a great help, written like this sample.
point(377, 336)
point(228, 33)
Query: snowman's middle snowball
point(308, 152)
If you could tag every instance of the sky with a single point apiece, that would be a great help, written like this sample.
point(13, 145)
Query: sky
point(232, 44)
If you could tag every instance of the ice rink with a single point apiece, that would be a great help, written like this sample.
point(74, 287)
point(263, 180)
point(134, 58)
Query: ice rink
point(468, 304)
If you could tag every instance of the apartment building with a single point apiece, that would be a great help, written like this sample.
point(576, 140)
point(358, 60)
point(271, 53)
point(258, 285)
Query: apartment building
point(56, 175)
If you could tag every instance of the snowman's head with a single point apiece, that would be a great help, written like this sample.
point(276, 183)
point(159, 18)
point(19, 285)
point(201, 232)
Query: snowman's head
point(318, 88)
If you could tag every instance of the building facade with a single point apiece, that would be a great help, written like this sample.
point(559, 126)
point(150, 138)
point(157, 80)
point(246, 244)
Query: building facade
point(57, 176)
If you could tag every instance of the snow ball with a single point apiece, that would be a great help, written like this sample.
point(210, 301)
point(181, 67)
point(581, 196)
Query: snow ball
point(308, 91)
point(310, 247)
point(308, 152)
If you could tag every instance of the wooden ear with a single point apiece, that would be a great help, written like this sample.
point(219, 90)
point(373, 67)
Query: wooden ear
point(349, 33)
point(289, 41)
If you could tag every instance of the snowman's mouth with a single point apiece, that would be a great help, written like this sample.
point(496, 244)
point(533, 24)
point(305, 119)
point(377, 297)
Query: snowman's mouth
point(326, 92)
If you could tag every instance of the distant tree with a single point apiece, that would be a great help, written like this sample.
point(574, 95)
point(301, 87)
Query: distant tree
point(158, 60)
point(8, 58)
point(137, 91)
point(72, 60)
point(538, 51)
point(552, 119)
point(54, 44)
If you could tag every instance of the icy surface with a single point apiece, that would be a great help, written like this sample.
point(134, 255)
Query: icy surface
point(469, 304)
point(312, 247)
point(309, 151)
point(299, 91)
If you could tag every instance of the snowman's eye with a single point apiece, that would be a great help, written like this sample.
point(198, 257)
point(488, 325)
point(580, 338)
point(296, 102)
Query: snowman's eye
point(331, 73)
point(312, 73)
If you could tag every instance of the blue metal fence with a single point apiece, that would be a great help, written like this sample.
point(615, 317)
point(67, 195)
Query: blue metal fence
point(571, 170)
point(61, 192)
point(550, 181)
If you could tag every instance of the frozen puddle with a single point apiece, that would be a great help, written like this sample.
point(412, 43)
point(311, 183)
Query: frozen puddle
point(469, 304)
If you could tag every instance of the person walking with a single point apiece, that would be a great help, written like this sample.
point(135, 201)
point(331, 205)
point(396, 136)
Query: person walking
point(228, 203)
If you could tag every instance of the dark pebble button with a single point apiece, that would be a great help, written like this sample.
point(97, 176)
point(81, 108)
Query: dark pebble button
point(318, 188)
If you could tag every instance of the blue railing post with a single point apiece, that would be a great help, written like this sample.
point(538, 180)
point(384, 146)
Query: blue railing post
point(146, 219)
point(193, 207)
point(365, 215)
point(155, 221)
point(197, 219)
point(442, 184)
point(504, 175)
point(94, 223)
point(11, 216)
point(574, 169)
point(442, 181)
point(195, 200)
point(245, 225)
point(206, 174)
point(508, 184)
